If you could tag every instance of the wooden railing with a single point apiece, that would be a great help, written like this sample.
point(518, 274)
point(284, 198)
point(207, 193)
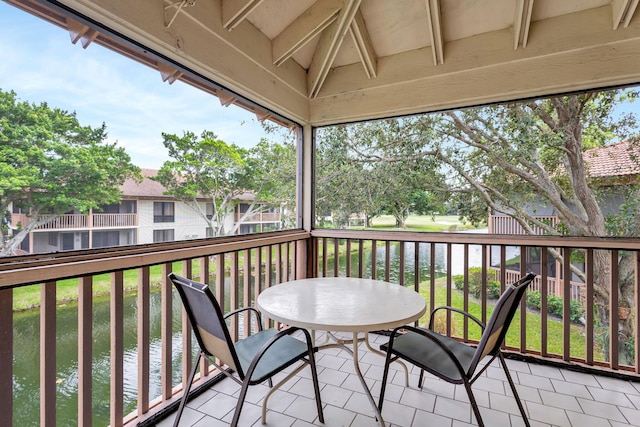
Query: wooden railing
point(260, 217)
point(389, 255)
point(114, 220)
point(502, 224)
point(239, 267)
point(554, 286)
point(79, 221)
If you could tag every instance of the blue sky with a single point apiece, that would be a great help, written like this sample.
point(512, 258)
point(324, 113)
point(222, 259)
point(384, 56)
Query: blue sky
point(39, 62)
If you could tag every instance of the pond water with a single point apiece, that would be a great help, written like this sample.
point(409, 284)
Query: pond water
point(27, 353)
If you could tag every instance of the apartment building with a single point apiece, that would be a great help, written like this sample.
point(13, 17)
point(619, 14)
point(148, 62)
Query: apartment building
point(144, 215)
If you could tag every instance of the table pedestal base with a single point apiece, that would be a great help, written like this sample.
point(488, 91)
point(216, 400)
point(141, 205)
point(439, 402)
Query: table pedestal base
point(342, 343)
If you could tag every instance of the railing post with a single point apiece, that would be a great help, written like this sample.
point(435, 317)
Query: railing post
point(166, 332)
point(6, 357)
point(85, 350)
point(48, 354)
point(636, 321)
point(144, 337)
point(117, 349)
point(613, 310)
point(589, 307)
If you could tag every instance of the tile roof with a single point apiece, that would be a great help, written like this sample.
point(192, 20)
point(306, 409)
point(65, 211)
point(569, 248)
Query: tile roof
point(147, 188)
point(620, 159)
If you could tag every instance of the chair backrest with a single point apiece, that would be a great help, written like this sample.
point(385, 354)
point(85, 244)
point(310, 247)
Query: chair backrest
point(500, 319)
point(207, 321)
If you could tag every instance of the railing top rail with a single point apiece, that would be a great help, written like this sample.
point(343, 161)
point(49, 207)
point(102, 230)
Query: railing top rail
point(484, 239)
point(24, 270)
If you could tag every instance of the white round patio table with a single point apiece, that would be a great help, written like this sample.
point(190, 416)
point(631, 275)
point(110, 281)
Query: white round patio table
point(343, 304)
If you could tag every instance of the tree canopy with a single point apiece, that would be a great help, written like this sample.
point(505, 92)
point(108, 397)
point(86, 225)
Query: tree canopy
point(205, 170)
point(364, 168)
point(517, 159)
point(50, 164)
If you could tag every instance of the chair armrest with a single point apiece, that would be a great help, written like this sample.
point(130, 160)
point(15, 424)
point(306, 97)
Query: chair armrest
point(425, 334)
point(251, 309)
point(457, 310)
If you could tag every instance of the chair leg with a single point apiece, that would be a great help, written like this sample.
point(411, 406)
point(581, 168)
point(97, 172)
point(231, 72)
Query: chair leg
point(185, 395)
point(316, 386)
point(421, 379)
point(383, 386)
point(243, 394)
point(474, 404)
point(513, 390)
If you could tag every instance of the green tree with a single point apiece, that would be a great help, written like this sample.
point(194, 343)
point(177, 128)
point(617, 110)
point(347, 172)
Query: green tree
point(50, 164)
point(522, 156)
point(372, 158)
point(518, 158)
point(207, 168)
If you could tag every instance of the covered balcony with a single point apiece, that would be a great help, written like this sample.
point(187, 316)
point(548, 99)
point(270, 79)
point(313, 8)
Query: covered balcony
point(285, 61)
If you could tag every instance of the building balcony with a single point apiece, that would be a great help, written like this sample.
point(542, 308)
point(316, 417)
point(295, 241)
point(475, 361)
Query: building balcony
point(259, 217)
point(79, 221)
point(568, 372)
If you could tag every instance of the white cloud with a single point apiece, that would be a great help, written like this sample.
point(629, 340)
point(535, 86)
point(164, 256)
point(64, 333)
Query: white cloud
point(41, 65)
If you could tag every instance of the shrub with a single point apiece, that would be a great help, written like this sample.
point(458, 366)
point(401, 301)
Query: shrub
point(475, 284)
point(576, 310)
point(554, 305)
point(458, 281)
point(533, 299)
point(493, 289)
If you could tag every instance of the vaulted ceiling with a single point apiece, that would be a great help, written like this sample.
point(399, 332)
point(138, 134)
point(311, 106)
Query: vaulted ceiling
point(330, 61)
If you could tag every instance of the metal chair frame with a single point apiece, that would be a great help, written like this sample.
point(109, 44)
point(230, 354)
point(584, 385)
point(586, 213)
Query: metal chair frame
point(490, 344)
point(188, 288)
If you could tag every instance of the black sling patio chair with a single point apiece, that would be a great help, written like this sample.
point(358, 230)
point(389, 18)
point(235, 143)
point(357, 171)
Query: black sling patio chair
point(255, 359)
point(455, 361)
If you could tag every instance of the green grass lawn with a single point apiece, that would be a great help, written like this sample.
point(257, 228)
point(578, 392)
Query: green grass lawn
point(421, 223)
point(27, 297)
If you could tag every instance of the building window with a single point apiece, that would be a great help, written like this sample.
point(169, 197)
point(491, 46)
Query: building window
point(163, 212)
point(247, 229)
point(104, 239)
point(163, 236)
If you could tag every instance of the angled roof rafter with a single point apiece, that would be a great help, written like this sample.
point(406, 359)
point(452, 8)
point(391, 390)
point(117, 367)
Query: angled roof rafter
point(82, 33)
point(362, 42)
point(236, 11)
point(522, 21)
point(308, 25)
point(435, 30)
point(623, 11)
point(327, 49)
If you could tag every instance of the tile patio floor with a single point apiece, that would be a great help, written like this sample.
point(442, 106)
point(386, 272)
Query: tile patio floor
point(552, 397)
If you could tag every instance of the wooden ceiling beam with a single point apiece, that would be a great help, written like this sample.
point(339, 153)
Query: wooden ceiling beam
point(168, 74)
point(521, 23)
point(226, 99)
point(307, 26)
point(236, 11)
point(82, 33)
point(362, 42)
point(435, 31)
point(328, 46)
point(623, 11)
point(585, 54)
